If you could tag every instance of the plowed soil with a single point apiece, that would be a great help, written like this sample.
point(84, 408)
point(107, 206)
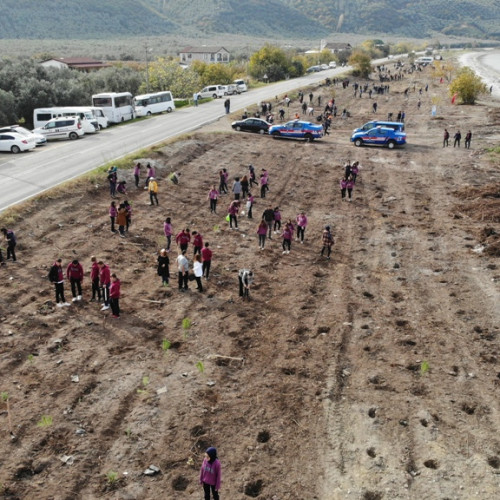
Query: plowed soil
point(374, 375)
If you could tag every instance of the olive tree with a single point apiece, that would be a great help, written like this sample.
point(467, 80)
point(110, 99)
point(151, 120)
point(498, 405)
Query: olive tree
point(467, 86)
point(361, 63)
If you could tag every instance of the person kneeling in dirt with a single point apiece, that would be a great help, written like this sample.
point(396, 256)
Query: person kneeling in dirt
point(174, 177)
point(245, 278)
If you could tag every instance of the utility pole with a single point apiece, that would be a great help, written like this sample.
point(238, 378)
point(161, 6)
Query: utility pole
point(148, 50)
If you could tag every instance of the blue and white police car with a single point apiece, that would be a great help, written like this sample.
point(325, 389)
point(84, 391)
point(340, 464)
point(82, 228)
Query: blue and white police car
point(379, 136)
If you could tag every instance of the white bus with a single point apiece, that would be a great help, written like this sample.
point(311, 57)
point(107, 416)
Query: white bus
point(117, 106)
point(89, 122)
point(147, 104)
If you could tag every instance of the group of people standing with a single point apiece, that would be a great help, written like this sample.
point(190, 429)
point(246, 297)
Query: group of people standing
point(105, 285)
point(456, 139)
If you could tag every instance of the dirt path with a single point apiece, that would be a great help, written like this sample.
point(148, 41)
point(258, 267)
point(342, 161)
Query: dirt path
point(373, 375)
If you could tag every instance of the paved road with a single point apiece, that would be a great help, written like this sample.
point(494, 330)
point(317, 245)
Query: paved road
point(28, 174)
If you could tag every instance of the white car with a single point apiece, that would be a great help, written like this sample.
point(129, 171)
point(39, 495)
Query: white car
point(15, 143)
point(40, 139)
point(332, 64)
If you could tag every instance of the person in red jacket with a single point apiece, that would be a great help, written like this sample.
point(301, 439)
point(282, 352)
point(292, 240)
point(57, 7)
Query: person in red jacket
point(94, 278)
point(74, 272)
point(183, 239)
point(206, 260)
point(114, 295)
point(104, 283)
point(197, 242)
point(210, 474)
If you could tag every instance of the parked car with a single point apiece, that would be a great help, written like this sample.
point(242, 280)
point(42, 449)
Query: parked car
point(297, 129)
point(230, 89)
point(67, 127)
point(40, 139)
point(242, 86)
point(332, 64)
point(213, 91)
point(252, 125)
point(324, 67)
point(379, 136)
point(399, 126)
point(313, 69)
point(15, 142)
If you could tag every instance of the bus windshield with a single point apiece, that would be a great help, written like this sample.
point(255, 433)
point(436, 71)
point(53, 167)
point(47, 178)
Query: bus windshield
point(103, 101)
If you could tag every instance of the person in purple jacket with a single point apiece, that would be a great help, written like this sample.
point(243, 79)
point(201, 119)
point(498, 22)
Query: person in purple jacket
point(350, 187)
point(277, 220)
point(113, 213)
point(137, 173)
point(287, 236)
point(343, 187)
point(262, 232)
point(210, 474)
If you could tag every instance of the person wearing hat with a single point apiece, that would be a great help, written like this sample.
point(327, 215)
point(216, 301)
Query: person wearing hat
point(210, 474)
point(153, 190)
point(327, 242)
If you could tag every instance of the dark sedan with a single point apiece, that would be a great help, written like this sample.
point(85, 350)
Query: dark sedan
point(252, 125)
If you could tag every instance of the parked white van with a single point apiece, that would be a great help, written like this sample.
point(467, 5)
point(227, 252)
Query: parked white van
point(88, 122)
point(213, 91)
point(230, 89)
point(242, 86)
point(424, 60)
point(66, 127)
point(102, 119)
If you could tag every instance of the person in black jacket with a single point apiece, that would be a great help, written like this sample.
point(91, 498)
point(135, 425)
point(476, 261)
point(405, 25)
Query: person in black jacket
point(11, 243)
point(457, 138)
point(163, 267)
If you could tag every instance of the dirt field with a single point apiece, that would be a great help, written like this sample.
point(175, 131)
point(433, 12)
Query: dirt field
point(374, 375)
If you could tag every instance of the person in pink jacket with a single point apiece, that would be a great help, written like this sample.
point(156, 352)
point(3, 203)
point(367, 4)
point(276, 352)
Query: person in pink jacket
point(114, 296)
point(210, 474)
point(301, 226)
point(213, 196)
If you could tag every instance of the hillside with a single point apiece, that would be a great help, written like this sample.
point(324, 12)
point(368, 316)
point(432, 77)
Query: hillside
point(305, 19)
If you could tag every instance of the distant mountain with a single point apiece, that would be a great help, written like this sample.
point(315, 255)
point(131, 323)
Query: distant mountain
point(304, 19)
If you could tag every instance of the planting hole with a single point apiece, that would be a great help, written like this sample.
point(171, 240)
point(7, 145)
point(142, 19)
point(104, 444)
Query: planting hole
point(431, 464)
point(371, 452)
point(468, 409)
point(494, 462)
point(253, 489)
point(197, 430)
point(180, 483)
point(263, 437)
point(372, 412)
point(372, 495)
point(368, 295)
point(424, 422)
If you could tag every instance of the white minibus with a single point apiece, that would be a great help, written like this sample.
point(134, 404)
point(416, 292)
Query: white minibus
point(148, 104)
point(88, 121)
point(117, 106)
